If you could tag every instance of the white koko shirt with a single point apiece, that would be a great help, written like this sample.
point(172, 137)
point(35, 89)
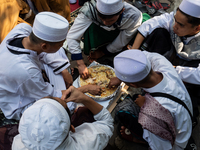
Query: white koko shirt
point(166, 21)
point(131, 20)
point(21, 82)
point(170, 84)
point(87, 136)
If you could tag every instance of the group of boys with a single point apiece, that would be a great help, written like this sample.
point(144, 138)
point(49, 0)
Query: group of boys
point(106, 28)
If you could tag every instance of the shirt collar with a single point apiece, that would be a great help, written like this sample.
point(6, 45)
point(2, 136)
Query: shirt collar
point(186, 40)
point(19, 50)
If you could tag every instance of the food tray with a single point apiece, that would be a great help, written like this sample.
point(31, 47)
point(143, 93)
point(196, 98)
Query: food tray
point(99, 98)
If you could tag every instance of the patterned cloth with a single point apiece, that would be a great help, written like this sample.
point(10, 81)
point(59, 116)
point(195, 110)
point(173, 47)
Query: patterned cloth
point(7, 133)
point(8, 130)
point(82, 115)
point(156, 119)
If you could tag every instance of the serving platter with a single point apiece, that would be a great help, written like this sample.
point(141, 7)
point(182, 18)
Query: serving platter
point(94, 65)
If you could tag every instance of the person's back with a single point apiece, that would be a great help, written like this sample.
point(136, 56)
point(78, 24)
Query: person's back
point(171, 84)
point(47, 125)
point(22, 81)
point(15, 71)
point(153, 73)
point(176, 37)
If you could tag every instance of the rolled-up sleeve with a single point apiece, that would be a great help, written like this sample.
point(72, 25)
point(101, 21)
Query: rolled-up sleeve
point(81, 24)
point(58, 61)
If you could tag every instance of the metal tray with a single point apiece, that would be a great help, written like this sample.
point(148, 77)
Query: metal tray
point(99, 98)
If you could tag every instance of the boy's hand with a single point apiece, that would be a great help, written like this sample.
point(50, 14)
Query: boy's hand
point(140, 100)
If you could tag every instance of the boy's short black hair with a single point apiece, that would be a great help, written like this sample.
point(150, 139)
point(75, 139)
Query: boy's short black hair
point(34, 39)
point(192, 20)
point(146, 79)
point(102, 16)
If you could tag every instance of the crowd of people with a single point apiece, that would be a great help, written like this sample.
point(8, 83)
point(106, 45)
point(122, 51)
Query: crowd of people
point(36, 85)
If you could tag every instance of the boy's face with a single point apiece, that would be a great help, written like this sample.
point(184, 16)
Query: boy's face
point(182, 27)
point(52, 48)
point(110, 21)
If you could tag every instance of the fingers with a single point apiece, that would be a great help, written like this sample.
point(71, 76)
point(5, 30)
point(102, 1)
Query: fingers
point(90, 59)
point(129, 46)
point(72, 71)
point(99, 91)
point(110, 85)
point(84, 75)
point(66, 93)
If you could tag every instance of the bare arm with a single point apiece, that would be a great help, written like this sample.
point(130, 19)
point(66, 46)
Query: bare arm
point(67, 78)
point(83, 71)
point(138, 41)
point(74, 95)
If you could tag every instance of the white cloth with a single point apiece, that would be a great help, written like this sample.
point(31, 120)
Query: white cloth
point(44, 125)
point(187, 74)
point(171, 84)
point(131, 66)
point(50, 26)
point(110, 7)
point(88, 136)
point(190, 7)
point(131, 20)
point(21, 82)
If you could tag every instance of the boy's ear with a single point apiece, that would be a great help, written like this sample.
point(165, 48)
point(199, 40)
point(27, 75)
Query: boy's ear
point(44, 46)
point(198, 28)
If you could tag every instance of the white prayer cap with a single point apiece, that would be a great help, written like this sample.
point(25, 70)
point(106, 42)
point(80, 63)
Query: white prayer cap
point(191, 7)
point(50, 27)
point(44, 125)
point(131, 66)
point(109, 7)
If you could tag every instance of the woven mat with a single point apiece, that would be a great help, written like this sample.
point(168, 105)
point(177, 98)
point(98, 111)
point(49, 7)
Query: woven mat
point(73, 16)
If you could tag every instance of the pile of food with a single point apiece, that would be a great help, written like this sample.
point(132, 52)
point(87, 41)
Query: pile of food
point(100, 75)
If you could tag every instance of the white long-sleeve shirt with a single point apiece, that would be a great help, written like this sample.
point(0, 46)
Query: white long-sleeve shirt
point(166, 21)
point(88, 136)
point(170, 84)
point(21, 82)
point(131, 20)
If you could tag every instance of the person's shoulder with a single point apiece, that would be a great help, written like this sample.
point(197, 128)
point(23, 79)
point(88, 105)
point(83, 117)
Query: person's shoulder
point(88, 6)
point(131, 11)
point(23, 26)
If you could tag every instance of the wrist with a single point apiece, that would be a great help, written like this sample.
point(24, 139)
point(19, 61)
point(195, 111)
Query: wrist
point(80, 62)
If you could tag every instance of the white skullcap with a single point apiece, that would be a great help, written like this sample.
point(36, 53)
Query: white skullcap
point(191, 7)
point(50, 27)
point(44, 125)
point(131, 66)
point(109, 7)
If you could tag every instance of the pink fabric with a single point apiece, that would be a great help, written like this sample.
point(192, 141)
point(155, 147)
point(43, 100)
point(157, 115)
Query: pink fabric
point(156, 119)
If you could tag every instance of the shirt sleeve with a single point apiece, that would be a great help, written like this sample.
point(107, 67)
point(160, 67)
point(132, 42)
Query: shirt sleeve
point(58, 61)
point(17, 143)
point(127, 31)
point(162, 21)
point(35, 87)
point(189, 74)
point(76, 32)
point(94, 135)
point(160, 63)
